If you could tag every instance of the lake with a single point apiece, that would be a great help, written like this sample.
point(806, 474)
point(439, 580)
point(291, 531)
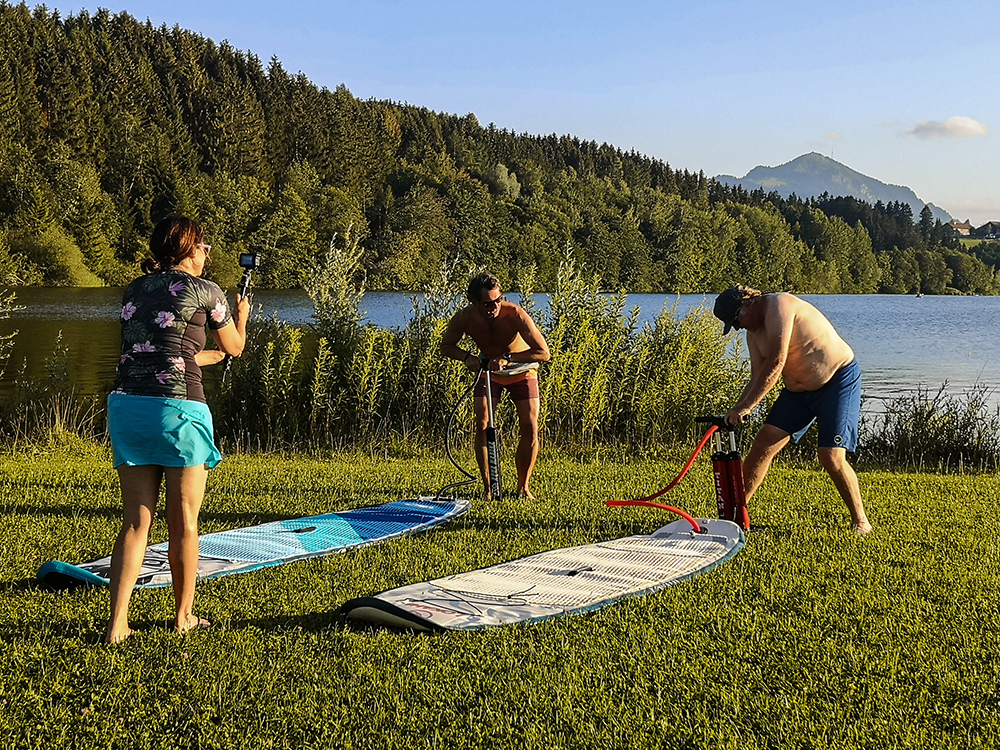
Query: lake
point(902, 342)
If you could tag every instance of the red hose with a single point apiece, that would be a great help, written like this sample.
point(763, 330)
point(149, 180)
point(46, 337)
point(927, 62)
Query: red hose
point(678, 511)
point(647, 500)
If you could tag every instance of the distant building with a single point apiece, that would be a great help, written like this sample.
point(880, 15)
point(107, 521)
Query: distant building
point(961, 228)
point(988, 231)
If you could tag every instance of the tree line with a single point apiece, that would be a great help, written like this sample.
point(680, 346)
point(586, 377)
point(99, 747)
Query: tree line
point(107, 124)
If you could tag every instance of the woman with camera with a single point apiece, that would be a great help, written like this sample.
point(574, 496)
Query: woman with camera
point(160, 425)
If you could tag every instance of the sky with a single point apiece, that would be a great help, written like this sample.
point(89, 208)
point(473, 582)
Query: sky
point(900, 90)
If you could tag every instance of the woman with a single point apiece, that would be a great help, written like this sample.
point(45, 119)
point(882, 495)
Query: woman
point(159, 423)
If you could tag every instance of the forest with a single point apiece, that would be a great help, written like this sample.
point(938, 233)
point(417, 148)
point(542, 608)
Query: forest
point(108, 124)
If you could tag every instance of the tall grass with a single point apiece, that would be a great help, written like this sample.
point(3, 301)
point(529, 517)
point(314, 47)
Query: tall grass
point(935, 431)
point(51, 408)
point(608, 380)
point(7, 306)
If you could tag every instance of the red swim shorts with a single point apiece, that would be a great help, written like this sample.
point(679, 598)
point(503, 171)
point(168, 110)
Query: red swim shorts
point(521, 388)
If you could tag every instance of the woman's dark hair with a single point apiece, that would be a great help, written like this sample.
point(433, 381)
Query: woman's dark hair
point(174, 239)
point(479, 283)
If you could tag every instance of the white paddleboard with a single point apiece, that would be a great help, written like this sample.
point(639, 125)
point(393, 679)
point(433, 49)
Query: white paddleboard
point(555, 583)
point(516, 369)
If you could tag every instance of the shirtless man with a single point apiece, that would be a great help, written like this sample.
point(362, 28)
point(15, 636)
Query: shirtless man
point(789, 338)
point(507, 335)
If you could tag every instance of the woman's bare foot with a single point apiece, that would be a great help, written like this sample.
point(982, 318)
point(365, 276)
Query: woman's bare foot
point(525, 493)
point(192, 622)
point(863, 529)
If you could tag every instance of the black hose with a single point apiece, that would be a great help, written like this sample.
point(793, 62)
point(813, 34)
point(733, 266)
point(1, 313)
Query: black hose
point(471, 478)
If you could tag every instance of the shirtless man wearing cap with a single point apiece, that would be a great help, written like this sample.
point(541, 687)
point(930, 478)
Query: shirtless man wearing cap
point(789, 338)
point(507, 335)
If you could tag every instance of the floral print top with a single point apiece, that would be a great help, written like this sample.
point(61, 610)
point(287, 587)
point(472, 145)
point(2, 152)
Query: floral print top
point(164, 318)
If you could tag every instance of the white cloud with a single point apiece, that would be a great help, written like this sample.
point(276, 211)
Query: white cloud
point(832, 136)
point(953, 127)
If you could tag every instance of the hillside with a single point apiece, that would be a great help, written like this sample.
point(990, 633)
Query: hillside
point(812, 175)
point(108, 124)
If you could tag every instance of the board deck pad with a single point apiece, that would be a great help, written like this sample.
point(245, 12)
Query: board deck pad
point(241, 550)
point(554, 583)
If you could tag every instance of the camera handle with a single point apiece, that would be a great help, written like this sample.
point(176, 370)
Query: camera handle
point(242, 290)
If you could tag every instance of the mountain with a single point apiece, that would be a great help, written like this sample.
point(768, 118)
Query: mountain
point(814, 174)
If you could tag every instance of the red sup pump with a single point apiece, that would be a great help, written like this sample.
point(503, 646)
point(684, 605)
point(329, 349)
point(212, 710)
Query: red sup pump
point(727, 470)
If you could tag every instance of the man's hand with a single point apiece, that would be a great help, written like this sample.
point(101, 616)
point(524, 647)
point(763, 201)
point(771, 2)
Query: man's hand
point(735, 416)
point(499, 363)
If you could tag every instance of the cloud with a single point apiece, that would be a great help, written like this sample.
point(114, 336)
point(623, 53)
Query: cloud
point(832, 136)
point(953, 127)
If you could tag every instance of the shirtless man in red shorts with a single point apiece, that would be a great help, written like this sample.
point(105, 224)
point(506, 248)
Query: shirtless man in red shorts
point(507, 335)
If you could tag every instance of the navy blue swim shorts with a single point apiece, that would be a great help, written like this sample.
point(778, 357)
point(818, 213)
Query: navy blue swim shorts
point(836, 407)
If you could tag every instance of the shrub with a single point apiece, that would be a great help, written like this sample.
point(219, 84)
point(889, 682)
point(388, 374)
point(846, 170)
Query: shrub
point(934, 431)
point(56, 252)
point(607, 381)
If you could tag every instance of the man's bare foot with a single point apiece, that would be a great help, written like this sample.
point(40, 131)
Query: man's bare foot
point(120, 637)
point(863, 529)
point(525, 494)
point(193, 622)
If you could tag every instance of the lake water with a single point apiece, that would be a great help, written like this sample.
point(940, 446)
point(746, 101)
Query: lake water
point(902, 342)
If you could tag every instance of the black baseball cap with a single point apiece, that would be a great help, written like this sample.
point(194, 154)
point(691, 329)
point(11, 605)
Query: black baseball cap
point(727, 307)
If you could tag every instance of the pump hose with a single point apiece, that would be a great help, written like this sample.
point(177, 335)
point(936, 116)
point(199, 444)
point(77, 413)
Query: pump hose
point(471, 478)
point(648, 501)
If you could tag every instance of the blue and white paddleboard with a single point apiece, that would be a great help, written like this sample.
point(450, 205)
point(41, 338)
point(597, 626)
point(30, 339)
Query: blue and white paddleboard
point(555, 583)
point(242, 550)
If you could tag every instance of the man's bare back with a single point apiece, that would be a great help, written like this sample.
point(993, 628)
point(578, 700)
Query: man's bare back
point(796, 335)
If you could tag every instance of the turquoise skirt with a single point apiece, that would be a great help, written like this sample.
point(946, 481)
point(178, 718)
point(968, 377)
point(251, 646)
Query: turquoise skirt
point(146, 430)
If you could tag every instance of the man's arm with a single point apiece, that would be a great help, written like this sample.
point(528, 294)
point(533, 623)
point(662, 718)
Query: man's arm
point(768, 352)
point(538, 350)
point(449, 343)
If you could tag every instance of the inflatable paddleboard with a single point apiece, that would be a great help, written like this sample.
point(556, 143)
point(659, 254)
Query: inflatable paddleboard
point(555, 583)
point(516, 369)
point(241, 550)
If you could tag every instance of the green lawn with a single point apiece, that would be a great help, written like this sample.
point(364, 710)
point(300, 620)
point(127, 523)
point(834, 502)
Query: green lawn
point(808, 638)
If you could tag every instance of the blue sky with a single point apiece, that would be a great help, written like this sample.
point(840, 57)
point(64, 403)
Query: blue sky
point(901, 90)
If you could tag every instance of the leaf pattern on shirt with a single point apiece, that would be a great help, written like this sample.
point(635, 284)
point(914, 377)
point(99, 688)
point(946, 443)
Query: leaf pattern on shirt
point(165, 319)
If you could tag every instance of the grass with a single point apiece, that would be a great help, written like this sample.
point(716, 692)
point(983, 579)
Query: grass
point(808, 638)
